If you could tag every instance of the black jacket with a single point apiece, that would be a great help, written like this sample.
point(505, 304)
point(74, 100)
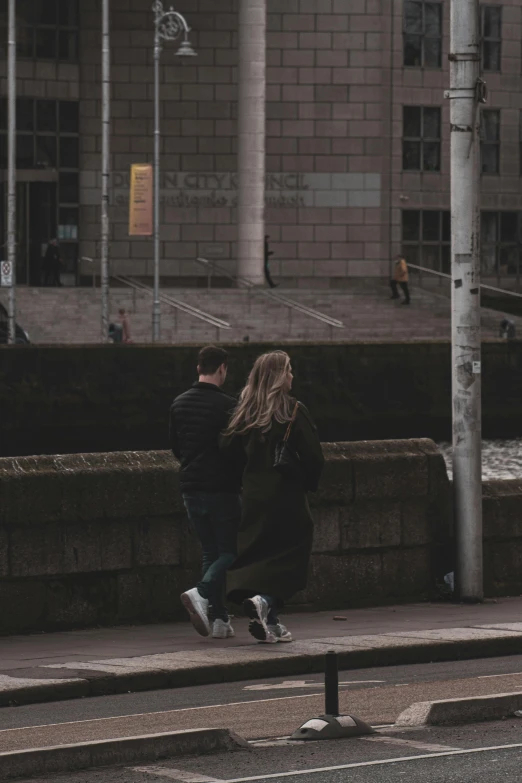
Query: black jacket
point(197, 417)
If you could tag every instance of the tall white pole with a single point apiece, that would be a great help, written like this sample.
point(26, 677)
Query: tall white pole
point(251, 140)
point(466, 346)
point(106, 140)
point(11, 168)
point(157, 138)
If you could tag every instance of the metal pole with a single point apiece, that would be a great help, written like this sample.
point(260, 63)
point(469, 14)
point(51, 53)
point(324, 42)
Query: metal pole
point(106, 137)
point(156, 301)
point(251, 140)
point(11, 166)
point(466, 347)
point(331, 684)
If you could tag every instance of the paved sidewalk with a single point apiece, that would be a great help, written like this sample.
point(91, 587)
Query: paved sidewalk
point(50, 667)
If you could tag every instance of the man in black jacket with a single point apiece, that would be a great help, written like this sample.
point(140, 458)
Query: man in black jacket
point(210, 490)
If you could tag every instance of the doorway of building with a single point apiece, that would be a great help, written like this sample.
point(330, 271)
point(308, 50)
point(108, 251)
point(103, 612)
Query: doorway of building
point(36, 213)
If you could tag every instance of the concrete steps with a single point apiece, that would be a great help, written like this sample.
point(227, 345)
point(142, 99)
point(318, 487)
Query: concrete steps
point(72, 315)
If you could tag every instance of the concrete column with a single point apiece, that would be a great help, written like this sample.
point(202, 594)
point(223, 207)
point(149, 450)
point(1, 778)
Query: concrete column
point(251, 140)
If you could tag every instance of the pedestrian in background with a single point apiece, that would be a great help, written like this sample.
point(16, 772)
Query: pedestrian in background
point(210, 490)
point(125, 326)
point(275, 537)
point(400, 278)
point(115, 333)
point(507, 329)
point(52, 264)
point(268, 253)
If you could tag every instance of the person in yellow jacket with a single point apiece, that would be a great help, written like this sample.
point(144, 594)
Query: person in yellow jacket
point(400, 278)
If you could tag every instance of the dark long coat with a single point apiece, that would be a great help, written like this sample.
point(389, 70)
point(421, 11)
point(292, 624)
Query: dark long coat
point(275, 537)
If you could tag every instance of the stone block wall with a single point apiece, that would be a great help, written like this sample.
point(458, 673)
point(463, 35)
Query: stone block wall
point(502, 536)
point(102, 539)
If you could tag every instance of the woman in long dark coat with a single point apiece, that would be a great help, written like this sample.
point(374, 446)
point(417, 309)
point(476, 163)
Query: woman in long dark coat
point(275, 537)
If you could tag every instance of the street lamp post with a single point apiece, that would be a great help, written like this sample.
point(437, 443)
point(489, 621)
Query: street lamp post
point(168, 26)
point(11, 165)
point(466, 93)
point(106, 131)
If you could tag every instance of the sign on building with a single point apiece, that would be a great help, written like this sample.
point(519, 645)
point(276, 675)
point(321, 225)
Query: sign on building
point(6, 268)
point(140, 201)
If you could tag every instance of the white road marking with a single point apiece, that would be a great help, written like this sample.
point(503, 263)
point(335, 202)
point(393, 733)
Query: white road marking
point(270, 742)
point(276, 743)
point(176, 774)
point(410, 743)
point(379, 762)
point(491, 676)
point(290, 684)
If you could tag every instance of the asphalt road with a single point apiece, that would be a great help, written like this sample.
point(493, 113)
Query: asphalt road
point(490, 752)
point(274, 708)
point(496, 670)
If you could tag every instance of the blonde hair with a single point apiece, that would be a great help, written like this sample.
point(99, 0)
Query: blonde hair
point(264, 397)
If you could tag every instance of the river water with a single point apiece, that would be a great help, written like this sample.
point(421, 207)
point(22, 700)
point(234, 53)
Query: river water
point(501, 459)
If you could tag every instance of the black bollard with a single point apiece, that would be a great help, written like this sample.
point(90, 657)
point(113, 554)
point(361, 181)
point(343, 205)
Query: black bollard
point(331, 725)
point(331, 684)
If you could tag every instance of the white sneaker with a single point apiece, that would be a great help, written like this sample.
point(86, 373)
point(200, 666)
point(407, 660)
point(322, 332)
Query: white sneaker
point(281, 633)
point(263, 636)
point(222, 630)
point(272, 635)
point(197, 607)
point(257, 609)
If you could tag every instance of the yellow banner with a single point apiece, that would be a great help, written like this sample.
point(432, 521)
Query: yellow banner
point(141, 199)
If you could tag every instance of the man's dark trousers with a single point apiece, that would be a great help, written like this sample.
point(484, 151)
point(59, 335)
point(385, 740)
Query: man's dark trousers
point(215, 518)
point(405, 290)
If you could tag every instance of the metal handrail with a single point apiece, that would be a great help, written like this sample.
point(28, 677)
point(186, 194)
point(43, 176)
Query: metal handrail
point(176, 303)
point(243, 283)
point(448, 277)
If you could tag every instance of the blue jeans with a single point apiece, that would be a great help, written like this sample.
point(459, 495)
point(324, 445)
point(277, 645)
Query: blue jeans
point(215, 518)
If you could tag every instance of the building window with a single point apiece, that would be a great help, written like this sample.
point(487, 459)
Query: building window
point(421, 138)
point(501, 247)
point(491, 33)
point(48, 138)
point(426, 238)
point(423, 33)
point(47, 134)
point(490, 141)
point(47, 29)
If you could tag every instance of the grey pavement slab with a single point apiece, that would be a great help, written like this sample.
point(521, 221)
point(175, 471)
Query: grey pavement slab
point(505, 627)
point(458, 634)
point(34, 689)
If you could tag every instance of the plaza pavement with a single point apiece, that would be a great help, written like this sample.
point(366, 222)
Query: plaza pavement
point(74, 664)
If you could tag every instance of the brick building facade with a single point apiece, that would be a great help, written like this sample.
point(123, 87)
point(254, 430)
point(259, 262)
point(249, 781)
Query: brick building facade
point(357, 136)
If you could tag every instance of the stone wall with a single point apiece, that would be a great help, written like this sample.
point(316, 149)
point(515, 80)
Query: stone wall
point(69, 399)
point(103, 539)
